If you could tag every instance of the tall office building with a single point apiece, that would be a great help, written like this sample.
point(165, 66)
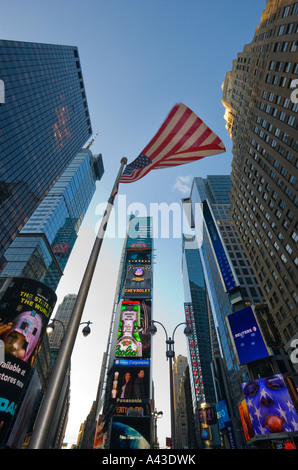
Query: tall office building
point(233, 293)
point(44, 122)
point(261, 114)
point(124, 401)
point(222, 279)
point(44, 244)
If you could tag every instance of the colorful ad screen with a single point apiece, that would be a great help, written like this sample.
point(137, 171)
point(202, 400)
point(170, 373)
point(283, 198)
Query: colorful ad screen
point(130, 384)
point(132, 338)
point(138, 281)
point(130, 433)
point(247, 337)
point(25, 309)
point(269, 405)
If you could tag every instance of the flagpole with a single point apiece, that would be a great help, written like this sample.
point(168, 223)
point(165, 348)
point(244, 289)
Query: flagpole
point(51, 397)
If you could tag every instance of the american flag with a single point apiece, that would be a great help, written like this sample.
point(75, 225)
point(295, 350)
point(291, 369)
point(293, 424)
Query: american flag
point(182, 138)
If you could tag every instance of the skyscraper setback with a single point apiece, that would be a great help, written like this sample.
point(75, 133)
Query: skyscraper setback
point(44, 122)
point(44, 244)
point(262, 122)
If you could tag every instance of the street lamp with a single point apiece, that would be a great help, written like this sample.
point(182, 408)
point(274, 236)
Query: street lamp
point(170, 354)
point(156, 414)
point(86, 330)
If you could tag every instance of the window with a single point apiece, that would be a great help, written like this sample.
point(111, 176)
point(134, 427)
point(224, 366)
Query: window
point(286, 11)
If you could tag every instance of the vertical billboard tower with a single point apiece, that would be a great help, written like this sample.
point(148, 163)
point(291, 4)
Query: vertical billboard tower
point(125, 417)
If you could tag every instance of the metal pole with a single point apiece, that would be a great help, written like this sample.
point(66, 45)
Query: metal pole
point(170, 355)
point(51, 397)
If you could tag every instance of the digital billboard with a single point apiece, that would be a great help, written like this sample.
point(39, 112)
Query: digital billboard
point(25, 309)
point(245, 332)
point(222, 413)
point(138, 281)
point(208, 415)
point(130, 433)
point(270, 406)
point(195, 369)
point(226, 270)
point(132, 337)
point(130, 384)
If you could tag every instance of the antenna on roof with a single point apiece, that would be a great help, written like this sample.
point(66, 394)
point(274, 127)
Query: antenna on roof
point(91, 141)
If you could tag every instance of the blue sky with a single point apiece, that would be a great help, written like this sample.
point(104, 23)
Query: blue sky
point(138, 58)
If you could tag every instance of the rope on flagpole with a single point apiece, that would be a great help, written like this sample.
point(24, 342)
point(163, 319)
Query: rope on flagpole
point(52, 394)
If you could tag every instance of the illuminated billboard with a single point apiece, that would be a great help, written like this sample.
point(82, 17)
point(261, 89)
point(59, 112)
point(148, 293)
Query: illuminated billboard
point(26, 306)
point(130, 433)
point(132, 337)
point(138, 281)
point(130, 384)
point(270, 406)
point(195, 368)
point(226, 269)
point(245, 332)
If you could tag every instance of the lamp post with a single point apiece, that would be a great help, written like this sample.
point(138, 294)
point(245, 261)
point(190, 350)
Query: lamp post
point(170, 354)
point(86, 330)
point(156, 414)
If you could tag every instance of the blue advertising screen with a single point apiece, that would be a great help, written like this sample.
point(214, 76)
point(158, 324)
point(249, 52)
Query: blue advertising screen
point(222, 413)
point(248, 340)
point(229, 278)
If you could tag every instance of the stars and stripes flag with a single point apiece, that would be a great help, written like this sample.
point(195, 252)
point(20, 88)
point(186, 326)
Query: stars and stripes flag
point(182, 138)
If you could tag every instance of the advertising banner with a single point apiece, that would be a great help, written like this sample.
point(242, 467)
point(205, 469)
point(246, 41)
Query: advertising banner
point(138, 281)
point(25, 308)
point(130, 433)
point(222, 413)
point(226, 269)
point(208, 415)
point(270, 407)
point(132, 338)
point(245, 332)
point(195, 369)
point(246, 421)
point(130, 385)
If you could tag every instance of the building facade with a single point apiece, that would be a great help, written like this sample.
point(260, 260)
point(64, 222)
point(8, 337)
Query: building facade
point(124, 401)
point(261, 113)
point(44, 122)
point(44, 244)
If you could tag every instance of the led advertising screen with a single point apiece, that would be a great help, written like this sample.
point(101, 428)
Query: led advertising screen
point(226, 269)
point(246, 335)
point(138, 281)
point(270, 406)
point(245, 421)
point(130, 433)
point(208, 415)
point(25, 309)
point(222, 413)
point(132, 337)
point(130, 384)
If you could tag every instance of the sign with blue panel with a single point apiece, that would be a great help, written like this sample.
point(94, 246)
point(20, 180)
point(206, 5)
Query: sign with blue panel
point(222, 413)
point(226, 270)
point(247, 337)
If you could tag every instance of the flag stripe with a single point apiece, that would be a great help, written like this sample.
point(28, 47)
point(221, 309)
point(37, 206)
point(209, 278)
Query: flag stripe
point(182, 138)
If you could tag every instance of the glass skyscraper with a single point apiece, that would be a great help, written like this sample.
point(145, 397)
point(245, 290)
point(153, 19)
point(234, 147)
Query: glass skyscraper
point(44, 122)
point(44, 244)
point(216, 190)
